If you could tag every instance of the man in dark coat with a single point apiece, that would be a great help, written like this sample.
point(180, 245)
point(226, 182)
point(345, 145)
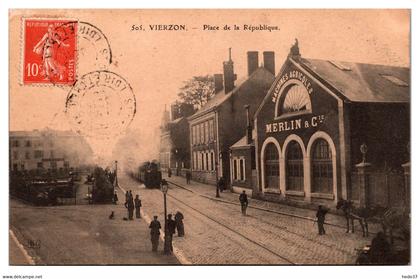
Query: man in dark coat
point(137, 205)
point(379, 249)
point(127, 197)
point(171, 225)
point(320, 218)
point(188, 176)
point(243, 198)
point(179, 217)
point(221, 184)
point(130, 207)
point(154, 233)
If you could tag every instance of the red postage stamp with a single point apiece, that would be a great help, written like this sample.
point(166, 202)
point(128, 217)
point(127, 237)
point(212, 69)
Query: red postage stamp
point(49, 51)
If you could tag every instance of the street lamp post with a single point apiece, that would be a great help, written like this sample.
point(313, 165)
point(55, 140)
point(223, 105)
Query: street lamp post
point(116, 177)
point(164, 190)
point(217, 180)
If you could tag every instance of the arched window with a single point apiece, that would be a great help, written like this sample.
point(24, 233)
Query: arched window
point(271, 166)
point(322, 167)
point(294, 167)
point(295, 100)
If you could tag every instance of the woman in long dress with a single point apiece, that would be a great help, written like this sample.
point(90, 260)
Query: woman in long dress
point(46, 47)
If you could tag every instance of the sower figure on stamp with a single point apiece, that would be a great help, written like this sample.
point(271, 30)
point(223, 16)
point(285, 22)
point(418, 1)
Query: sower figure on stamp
point(137, 204)
point(320, 218)
point(171, 225)
point(179, 217)
point(46, 47)
point(243, 198)
point(154, 233)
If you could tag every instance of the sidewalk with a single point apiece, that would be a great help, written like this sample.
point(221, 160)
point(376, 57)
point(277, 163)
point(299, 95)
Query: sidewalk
point(209, 191)
point(84, 235)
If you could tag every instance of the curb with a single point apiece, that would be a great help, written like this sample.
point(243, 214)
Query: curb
point(177, 252)
point(28, 258)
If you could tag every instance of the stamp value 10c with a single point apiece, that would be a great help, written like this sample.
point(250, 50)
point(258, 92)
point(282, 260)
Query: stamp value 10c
point(49, 51)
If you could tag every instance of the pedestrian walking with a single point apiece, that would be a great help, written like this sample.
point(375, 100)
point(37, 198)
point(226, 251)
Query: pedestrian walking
point(137, 205)
point(170, 230)
point(169, 172)
point(221, 184)
point(130, 207)
point(154, 233)
point(188, 176)
point(127, 196)
point(243, 198)
point(115, 198)
point(320, 218)
point(179, 217)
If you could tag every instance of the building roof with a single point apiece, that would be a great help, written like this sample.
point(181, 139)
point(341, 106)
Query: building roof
point(221, 97)
point(176, 121)
point(39, 133)
point(242, 143)
point(359, 82)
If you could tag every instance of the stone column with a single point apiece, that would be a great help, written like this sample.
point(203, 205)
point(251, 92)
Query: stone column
point(407, 189)
point(307, 178)
point(363, 176)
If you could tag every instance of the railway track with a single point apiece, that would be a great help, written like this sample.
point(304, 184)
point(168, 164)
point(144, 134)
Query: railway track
point(286, 259)
point(253, 240)
point(265, 209)
point(283, 228)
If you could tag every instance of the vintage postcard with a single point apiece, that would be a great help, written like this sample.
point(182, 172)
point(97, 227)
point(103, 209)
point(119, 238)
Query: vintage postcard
point(209, 137)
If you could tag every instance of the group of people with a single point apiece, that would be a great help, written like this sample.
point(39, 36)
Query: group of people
point(172, 225)
point(132, 204)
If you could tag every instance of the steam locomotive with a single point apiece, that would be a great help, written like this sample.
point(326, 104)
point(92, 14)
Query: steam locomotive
point(148, 173)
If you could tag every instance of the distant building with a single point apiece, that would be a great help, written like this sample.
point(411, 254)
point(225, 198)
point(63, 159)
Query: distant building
point(318, 119)
point(174, 150)
point(221, 122)
point(47, 150)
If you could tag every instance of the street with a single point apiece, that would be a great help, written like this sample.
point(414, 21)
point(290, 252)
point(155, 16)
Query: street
point(217, 233)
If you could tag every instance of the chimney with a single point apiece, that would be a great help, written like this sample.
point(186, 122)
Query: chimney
point(218, 82)
point(269, 62)
point(229, 76)
point(252, 61)
point(248, 126)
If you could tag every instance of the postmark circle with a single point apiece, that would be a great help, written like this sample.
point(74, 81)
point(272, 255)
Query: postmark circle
point(101, 104)
point(94, 49)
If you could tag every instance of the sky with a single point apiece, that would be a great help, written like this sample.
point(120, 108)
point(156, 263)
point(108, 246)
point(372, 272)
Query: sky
point(155, 63)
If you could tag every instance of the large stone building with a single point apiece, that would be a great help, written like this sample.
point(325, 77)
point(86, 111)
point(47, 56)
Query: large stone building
point(221, 122)
point(47, 150)
point(320, 119)
point(174, 151)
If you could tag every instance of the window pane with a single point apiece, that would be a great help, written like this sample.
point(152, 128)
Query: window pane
point(322, 174)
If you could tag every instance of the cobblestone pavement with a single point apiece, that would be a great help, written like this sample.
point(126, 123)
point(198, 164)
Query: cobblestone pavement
point(217, 233)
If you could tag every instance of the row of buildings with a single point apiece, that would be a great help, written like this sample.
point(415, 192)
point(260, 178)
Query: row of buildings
point(47, 151)
point(309, 133)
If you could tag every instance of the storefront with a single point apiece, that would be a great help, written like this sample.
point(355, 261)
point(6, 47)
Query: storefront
point(315, 117)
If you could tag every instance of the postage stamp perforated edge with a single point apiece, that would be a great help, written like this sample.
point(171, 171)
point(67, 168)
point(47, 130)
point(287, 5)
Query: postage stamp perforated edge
point(23, 48)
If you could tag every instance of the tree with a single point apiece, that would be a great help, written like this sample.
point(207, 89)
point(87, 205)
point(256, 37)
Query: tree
point(197, 90)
